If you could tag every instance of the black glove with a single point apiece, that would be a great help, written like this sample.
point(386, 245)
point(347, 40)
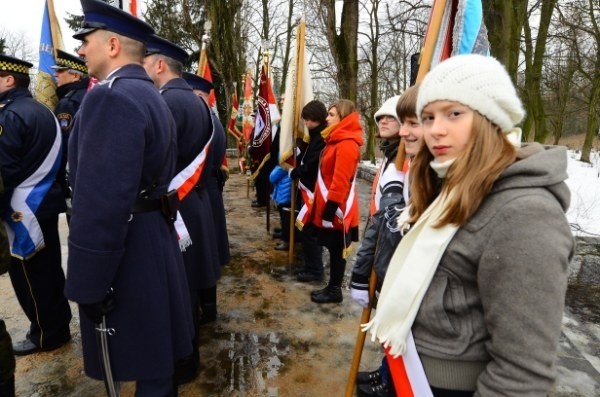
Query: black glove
point(95, 311)
point(329, 210)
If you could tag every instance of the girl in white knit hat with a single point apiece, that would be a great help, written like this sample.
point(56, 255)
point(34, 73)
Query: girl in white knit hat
point(481, 273)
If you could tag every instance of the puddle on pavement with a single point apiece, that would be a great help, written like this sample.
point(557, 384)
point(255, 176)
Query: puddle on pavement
point(245, 362)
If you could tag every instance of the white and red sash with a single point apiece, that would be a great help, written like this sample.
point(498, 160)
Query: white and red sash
point(348, 205)
point(408, 373)
point(184, 182)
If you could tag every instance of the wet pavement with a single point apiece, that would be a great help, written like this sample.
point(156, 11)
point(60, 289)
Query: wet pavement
point(270, 339)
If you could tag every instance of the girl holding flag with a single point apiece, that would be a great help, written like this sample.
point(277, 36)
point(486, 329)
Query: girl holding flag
point(479, 278)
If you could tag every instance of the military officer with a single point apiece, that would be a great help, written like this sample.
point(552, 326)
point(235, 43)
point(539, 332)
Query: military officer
point(125, 269)
point(164, 64)
point(30, 154)
point(218, 175)
point(72, 81)
point(213, 185)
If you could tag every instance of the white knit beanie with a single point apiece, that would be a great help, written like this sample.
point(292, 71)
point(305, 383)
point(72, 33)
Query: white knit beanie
point(388, 109)
point(477, 81)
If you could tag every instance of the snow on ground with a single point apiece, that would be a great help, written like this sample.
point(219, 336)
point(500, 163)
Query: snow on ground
point(584, 182)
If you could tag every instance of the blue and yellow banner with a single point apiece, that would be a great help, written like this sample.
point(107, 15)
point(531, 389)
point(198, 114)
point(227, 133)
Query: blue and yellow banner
point(50, 41)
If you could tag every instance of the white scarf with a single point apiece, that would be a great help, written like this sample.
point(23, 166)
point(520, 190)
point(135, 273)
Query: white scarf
point(410, 272)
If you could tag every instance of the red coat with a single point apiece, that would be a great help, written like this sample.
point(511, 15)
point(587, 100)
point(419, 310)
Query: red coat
point(337, 172)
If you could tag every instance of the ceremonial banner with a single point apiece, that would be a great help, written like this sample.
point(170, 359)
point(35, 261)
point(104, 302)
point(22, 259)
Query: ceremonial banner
point(248, 109)
point(298, 92)
point(204, 71)
point(266, 116)
point(231, 127)
point(50, 41)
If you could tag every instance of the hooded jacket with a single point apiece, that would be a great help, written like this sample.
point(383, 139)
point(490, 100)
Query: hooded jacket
point(490, 320)
point(337, 169)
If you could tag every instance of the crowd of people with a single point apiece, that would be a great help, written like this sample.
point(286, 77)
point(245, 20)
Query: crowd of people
point(467, 243)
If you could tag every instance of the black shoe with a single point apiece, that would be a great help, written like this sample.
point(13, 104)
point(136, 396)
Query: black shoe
point(305, 276)
point(187, 369)
point(283, 246)
point(27, 347)
point(209, 313)
point(379, 390)
point(330, 295)
point(277, 234)
point(256, 204)
point(366, 378)
point(318, 292)
point(277, 230)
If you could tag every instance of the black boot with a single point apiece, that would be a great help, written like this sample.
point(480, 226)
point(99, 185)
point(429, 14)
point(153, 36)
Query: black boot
point(208, 304)
point(330, 295)
point(7, 388)
point(318, 291)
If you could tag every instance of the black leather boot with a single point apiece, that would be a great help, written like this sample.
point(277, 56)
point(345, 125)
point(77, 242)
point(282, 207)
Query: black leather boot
point(318, 291)
point(330, 295)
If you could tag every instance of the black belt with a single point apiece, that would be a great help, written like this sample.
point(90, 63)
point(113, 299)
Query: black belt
point(146, 205)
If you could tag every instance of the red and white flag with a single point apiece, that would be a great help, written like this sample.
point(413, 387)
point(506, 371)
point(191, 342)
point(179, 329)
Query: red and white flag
point(267, 115)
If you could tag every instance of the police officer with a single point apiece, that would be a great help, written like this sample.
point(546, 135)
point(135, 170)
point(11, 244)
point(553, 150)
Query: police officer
point(7, 359)
point(72, 81)
point(125, 269)
point(164, 64)
point(30, 151)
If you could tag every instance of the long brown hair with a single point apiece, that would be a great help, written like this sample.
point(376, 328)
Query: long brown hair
point(470, 178)
point(344, 107)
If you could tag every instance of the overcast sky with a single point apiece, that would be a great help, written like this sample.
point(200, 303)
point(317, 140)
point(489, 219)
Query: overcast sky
point(25, 16)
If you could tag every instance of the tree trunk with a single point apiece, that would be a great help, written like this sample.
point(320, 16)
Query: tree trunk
point(344, 44)
point(504, 20)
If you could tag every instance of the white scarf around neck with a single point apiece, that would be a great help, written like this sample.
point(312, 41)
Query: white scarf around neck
point(408, 277)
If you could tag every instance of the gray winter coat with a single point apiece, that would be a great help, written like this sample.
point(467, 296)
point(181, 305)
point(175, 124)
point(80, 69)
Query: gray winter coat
point(491, 318)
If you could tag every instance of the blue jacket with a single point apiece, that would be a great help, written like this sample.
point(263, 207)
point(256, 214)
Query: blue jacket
point(282, 186)
point(123, 141)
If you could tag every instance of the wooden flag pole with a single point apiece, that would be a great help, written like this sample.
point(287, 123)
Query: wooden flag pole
point(433, 29)
point(360, 339)
point(297, 113)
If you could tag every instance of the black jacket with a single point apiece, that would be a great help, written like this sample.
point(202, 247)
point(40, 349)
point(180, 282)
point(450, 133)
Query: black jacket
point(309, 160)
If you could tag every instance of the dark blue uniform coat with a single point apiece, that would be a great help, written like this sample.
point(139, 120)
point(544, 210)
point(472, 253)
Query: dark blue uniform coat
point(193, 123)
point(123, 142)
point(27, 132)
point(214, 192)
